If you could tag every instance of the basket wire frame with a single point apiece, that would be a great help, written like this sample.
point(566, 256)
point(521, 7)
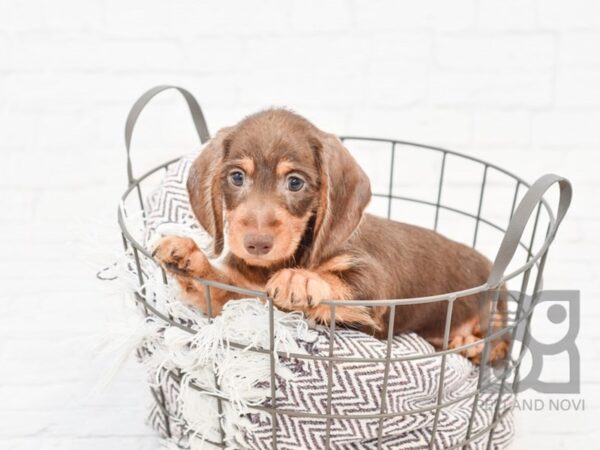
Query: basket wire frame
point(535, 260)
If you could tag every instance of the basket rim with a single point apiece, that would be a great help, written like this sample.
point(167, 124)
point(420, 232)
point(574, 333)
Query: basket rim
point(449, 296)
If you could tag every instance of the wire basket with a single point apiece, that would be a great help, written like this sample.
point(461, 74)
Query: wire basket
point(503, 214)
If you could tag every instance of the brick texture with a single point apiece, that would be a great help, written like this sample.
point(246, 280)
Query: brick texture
point(513, 82)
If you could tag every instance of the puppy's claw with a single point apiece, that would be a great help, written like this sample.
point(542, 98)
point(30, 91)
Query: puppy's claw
point(175, 268)
point(298, 289)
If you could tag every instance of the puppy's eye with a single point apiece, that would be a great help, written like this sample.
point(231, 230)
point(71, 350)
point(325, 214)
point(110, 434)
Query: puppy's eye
point(294, 184)
point(237, 178)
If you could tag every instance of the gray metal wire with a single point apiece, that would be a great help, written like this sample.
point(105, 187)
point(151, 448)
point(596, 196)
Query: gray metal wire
point(535, 259)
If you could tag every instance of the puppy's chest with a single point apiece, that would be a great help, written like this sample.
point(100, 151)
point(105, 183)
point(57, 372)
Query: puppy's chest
point(245, 276)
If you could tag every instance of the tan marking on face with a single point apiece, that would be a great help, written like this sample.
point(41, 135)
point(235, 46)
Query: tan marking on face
point(284, 167)
point(247, 164)
point(286, 230)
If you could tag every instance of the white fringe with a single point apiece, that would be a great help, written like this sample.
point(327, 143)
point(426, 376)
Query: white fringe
point(206, 358)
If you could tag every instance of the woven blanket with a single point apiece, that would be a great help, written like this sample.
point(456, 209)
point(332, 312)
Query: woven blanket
point(190, 370)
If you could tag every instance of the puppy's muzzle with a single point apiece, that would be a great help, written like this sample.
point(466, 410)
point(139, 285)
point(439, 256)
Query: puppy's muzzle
point(258, 244)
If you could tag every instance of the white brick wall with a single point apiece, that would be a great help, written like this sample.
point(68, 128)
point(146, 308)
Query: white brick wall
point(514, 82)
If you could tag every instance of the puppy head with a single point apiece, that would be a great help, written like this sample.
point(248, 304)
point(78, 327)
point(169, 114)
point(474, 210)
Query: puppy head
point(279, 182)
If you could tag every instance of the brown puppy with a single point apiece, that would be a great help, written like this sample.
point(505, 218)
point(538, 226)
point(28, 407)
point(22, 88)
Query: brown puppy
point(290, 200)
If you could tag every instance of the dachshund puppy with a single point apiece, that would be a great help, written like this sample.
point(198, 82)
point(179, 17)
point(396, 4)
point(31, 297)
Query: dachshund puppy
point(288, 201)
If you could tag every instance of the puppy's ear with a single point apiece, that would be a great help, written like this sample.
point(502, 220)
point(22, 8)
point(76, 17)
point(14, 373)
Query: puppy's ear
point(345, 193)
point(204, 188)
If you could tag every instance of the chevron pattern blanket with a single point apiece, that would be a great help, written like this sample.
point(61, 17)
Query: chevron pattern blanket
point(177, 362)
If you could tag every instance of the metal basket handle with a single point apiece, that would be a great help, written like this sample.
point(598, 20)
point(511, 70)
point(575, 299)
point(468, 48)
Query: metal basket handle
point(138, 107)
point(526, 207)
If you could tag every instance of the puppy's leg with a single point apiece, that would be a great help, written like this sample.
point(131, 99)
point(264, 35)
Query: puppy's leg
point(472, 333)
point(500, 345)
point(465, 334)
point(304, 290)
point(183, 259)
point(473, 351)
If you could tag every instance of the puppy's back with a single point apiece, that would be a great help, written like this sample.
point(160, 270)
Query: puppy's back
point(418, 261)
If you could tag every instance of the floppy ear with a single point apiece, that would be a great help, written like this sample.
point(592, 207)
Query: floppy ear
point(204, 188)
point(345, 193)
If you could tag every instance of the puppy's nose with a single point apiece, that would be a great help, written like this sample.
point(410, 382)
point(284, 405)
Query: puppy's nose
point(258, 244)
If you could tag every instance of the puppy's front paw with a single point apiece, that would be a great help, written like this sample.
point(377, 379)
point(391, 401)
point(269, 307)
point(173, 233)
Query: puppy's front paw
point(298, 289)
point(180, 254)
